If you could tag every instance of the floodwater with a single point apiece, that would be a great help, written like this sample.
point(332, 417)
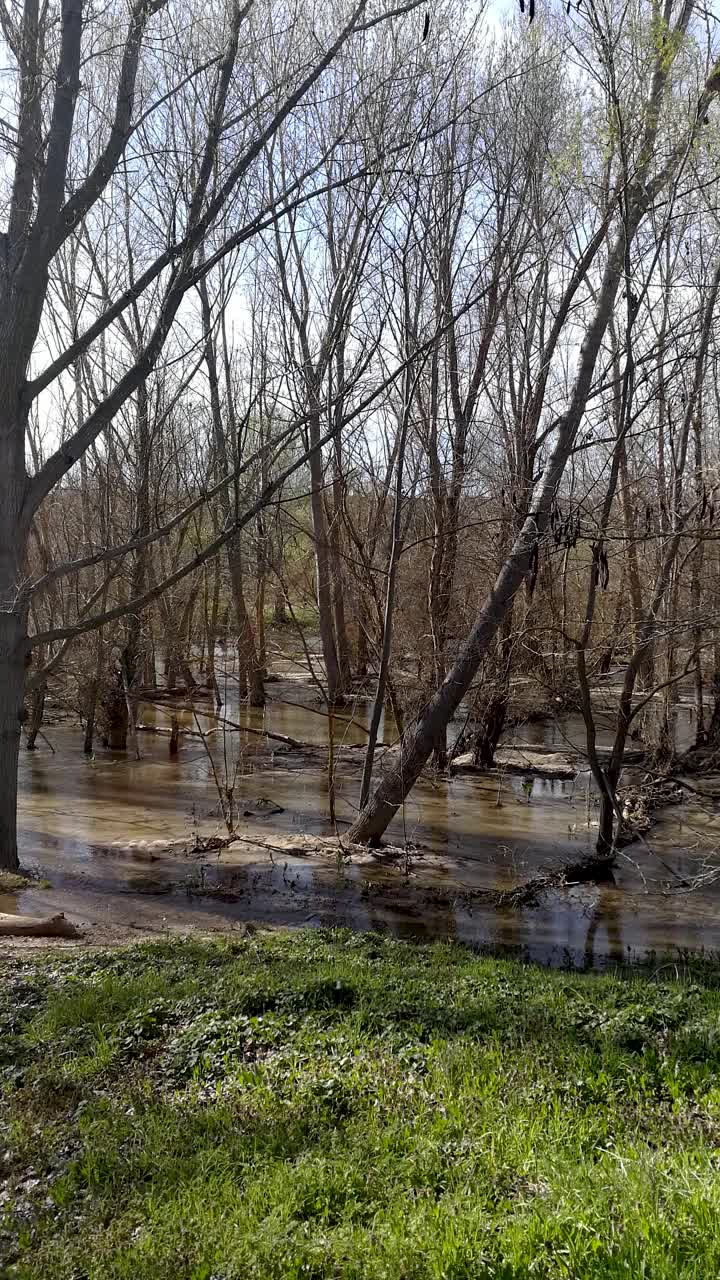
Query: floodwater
point(100, 831)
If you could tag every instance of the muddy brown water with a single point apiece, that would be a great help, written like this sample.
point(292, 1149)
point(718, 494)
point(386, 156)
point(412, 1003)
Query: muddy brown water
point(100, 831)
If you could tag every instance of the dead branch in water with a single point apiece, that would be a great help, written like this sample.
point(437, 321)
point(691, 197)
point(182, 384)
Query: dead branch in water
point(223, 722)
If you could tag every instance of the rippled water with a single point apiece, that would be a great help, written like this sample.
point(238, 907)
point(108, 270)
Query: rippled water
point(484, 832)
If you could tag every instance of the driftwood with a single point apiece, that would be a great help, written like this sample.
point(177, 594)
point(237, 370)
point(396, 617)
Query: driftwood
point(323, 847)
point(31, 927)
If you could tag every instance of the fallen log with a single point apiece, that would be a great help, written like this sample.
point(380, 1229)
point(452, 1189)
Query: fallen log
point(544, 764)
point(31, 927)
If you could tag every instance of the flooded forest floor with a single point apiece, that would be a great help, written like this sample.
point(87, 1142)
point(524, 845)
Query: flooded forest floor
point(130, 848)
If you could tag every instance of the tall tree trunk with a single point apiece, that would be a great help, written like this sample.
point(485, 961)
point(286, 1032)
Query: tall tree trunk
point(261, 570)
point(631, 559)
point(14, 652)
point(260, 584)
point(395, 551)
point(35, 718)
point(12, 688)
point(132, 651)
point(250, 673)
point(712, 737)
point(333, 677)
point(338, 584)
point(13, 649)
point(280, 616)
point(211, 630)
point(361, 648)
point(338, 599)
point(91, 696)
point(494, 714)
point(696, 569)
point(250, 669)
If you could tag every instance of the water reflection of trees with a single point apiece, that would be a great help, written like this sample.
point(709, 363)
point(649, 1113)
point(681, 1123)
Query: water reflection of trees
point(606, 915)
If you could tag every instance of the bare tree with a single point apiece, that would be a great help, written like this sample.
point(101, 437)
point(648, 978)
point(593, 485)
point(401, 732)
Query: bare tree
point(652, 169)
point(69, 147)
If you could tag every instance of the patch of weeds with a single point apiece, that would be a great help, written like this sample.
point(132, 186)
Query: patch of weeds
point(211, 1046)
point(330, 1104)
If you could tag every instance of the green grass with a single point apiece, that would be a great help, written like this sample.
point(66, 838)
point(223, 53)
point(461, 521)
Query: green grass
point(334, 1105)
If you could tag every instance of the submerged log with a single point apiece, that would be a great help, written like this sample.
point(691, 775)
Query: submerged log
point(56, 926)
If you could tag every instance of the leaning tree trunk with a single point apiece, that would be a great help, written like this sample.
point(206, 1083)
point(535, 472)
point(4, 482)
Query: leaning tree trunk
point(419, 745)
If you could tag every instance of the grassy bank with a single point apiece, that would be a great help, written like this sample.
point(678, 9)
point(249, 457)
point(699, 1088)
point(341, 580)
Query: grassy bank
point(332, 1105)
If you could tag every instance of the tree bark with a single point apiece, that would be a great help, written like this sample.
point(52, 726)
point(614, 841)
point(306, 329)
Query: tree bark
point(249, 668)
point(395, 552)
point(324, 584)
point(35, 719)
point(12, 690)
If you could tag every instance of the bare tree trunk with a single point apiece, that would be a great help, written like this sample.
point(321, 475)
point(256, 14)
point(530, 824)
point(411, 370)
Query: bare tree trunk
point(90, 712)
point(37, 710)
point(338, 599)
point(211, 631)
point(49, 200)
point(606, 657)
point(323, 572)
point(664, 747)
point(361, 648)
point(13, 648)
point(261, 567)
point(696, 569)
point(280, 616)
point(395, 551)
point(250, 669)
point(91, 700)
point(494, 714)
point(261, 580)
point(631, 559)
point(335, 532)
point(713, 730)
point(251, 676)
point(131, 712)
point(131, 653)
